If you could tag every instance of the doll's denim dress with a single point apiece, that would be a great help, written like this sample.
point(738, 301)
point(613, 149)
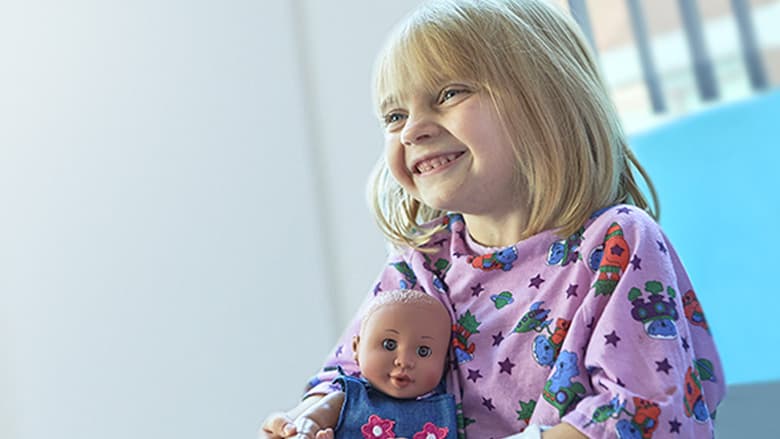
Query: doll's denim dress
point(369, 413)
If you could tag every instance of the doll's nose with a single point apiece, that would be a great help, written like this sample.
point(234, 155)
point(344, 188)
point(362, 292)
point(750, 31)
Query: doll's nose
point(404, 360)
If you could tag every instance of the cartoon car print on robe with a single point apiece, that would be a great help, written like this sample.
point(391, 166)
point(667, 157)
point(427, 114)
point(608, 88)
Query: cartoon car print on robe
point(566, 250)
point(502, 299)
point(526, 410)
point(659, 313)
point(693, 311)
point(611, 410)
point(498, 260)
point(533, 319)
point(438, 269)
point(694, 402)
point(613, 262)
point(410, 279)
point(560, 391)
point(706, 369)
point(466, 325)
point(450, 219)
point(546, 349)
point(462, 420)
point(595, 257)
point(642, 423)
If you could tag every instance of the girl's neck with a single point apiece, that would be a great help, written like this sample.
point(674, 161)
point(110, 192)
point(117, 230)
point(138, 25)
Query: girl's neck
point(498, 231)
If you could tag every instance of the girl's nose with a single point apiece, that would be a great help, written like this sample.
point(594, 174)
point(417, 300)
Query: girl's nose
point(418, 130)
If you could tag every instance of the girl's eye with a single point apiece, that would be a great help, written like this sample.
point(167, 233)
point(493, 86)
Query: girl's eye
point(392, 118)
point(389, 344)
point(424, 351)
point(450, 93)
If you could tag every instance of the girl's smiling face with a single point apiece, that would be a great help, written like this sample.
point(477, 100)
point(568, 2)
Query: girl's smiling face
point(449, 149)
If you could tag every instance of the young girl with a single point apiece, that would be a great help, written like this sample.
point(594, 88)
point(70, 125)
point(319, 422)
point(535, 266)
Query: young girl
point(401, 351)
point(509, 190)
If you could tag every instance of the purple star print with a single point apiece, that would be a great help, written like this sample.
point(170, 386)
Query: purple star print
point(536, 281)
point(476, 289)
point(506, 366)
point(661, 247)
point(474, 375)
point(663, 366)
point(497, 339)
point(616, 250)
point(635, 263)
point(612, 338)
point(488, 403)
point(625, 210)
point(571, 291)
point(674, 426)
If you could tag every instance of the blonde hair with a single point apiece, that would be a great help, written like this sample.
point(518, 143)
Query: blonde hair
point(535, 65)
point(407, 297)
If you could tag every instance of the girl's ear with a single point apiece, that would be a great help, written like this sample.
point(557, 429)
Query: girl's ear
point(355, 345)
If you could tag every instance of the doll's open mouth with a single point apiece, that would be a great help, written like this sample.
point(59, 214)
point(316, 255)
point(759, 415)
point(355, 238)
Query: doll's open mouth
point(401, 380)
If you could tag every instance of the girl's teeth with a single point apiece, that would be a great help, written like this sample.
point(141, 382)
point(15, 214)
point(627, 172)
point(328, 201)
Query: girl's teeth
point(435, 163)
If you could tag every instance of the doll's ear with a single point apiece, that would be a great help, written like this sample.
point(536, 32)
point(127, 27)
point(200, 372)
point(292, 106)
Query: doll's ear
point(355, 344)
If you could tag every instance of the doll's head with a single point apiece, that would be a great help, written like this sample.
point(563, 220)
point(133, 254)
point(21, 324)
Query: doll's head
point(403, 343)
point(531, 65)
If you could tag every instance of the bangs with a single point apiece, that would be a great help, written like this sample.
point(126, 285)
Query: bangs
point(424, 55)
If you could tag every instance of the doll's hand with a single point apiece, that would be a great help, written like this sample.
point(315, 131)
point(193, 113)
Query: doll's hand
point(307, 428)
point(276, 426)
point(280, 425)
point(325, 434)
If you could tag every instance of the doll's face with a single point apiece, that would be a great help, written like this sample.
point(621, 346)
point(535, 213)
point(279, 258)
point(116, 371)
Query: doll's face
point(402, 348)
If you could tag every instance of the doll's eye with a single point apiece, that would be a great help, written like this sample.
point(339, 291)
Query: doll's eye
point(424, 351)
point(389, 344)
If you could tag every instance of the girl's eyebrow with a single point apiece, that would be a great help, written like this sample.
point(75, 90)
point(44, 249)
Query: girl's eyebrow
point(388, 102)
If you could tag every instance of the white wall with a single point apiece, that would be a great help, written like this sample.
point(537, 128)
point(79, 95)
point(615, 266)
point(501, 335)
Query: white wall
point(164, 270)
point(342, 40)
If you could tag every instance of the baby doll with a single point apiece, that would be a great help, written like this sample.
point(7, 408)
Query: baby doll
point(401, 350)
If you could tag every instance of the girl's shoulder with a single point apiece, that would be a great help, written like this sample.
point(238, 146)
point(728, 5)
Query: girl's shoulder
point(632, 220)
point(441, 230)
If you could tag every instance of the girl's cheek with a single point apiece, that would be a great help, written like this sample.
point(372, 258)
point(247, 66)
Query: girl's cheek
point(396, 162)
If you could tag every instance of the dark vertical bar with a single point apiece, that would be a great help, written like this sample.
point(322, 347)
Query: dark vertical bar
point(649, 72)
point(751, 53)
point(580, 13)
point(702, 63)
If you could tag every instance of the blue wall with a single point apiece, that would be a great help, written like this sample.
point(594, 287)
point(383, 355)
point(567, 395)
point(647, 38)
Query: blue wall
point(718, 174)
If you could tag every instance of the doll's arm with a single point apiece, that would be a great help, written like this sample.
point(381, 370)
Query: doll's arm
point(280, 424)
point(563, 431)
point(319, 416)
point(560, 431)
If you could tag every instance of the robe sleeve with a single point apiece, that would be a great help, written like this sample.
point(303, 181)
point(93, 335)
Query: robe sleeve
point(650, 358)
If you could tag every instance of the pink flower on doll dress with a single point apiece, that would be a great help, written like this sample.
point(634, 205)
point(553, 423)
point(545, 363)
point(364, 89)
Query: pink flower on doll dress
point(431, 431)
point(378, 428)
